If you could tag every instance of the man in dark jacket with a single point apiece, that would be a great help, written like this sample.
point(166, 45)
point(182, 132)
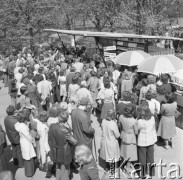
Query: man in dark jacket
point(60, 140)
point(13, 136)
point(81, 124)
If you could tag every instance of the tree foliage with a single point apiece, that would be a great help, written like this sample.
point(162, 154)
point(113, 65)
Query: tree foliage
point(28, 18)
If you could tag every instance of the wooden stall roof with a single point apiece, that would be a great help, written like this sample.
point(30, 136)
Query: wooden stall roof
point(109, 34)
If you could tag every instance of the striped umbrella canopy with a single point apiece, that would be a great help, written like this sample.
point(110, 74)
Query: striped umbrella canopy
point(131, 58)
point(161, 64)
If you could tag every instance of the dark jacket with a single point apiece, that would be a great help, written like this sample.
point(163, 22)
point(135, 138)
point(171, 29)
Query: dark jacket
point(12, 134)
point(60, 141)
point(89, 171)
point(81, 124)
point(37, 78)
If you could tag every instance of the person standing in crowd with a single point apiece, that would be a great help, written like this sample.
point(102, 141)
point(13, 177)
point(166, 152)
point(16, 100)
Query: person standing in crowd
point(13, 136)
point(26, 144)
point(166, 86)
point(109, 150)
point(5, 65)
point(78, 65)
point(167, 127)
point(160, 95)
point(126, 84)
point(81, 124)
point(93, 86)
point(143, 90)
point(34, 96)
point(73, 87)
point(147, 137)
point(13, 92)
point(60, 139)
point(3, 144)
point(42, 130)
point(154, 105)
point(123, 102)
point(10, 70)
point(62, 84)
point(69, 77)
point(107, 97)
point(84, 92)
point(38, 76)
point(53, 115)
point(151, 82)
point(128, 137)
point(88, 167)
point(24, 101)
point(55, 88)
point(18, 77)
point(44, 88)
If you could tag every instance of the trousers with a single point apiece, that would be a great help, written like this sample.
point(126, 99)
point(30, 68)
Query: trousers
point(146, 160)
point(17, 154)
point(62, 171)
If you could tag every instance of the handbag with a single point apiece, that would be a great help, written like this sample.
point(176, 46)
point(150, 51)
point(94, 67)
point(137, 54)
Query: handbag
point(44, 167)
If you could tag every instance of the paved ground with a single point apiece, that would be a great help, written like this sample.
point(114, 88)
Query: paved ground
point(168, 157)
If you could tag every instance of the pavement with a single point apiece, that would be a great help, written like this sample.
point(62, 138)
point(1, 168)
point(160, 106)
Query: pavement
point(172, 158)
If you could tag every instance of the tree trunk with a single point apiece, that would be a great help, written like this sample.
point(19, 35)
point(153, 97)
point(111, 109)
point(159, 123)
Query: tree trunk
point(84, 23)
point(68, 23)
point(138, 17)
point(31, 39)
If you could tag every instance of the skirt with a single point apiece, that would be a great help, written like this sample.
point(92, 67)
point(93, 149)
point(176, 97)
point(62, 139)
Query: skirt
point(105, 108)
point(167, 127)
point(129, 151)
point(29, 167)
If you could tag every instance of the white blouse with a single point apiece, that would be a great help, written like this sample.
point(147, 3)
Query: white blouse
point(146, 132)
point(26, 141)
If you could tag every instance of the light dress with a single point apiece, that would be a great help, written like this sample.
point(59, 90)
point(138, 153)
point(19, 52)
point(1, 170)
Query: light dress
point(62, 82)
point(109, 147)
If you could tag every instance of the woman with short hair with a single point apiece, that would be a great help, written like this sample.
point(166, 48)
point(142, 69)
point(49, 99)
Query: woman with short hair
point(53, 115)
point(88, 167)
point(109, 148)
point(167, 127)
point(106, 95)
point(154, 105)
point(147, 137)
point(26, 144)
point(73, 88)
point(62, 84)
point(128, 137)
point(93, 85)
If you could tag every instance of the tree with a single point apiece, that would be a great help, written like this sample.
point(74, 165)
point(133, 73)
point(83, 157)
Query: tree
point(26, 18)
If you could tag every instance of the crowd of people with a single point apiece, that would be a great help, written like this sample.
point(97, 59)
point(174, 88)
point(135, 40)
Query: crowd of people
point(49, 122)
